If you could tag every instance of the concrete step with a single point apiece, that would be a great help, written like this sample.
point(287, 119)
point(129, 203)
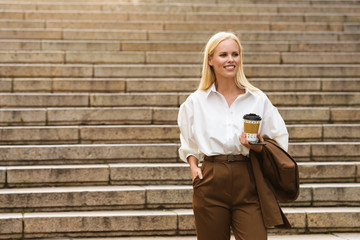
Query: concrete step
point(314, 99)
point(150, 197)
point(253, 36)
point(172, 222)
point(155, 134)
point(248, 58)
point(303, 2)
point(51, 45)
point(45, 70)
point(72, 34)
point(152, 173)
point(352, 27)
point(79, 198)
point(167, 71)
point(254, 46)
point(271, 236)
point(185, 7)
point(174, 46)
point(88, 100)
point(175, 25)
point(273, 17)
point(118, 85)
point(329, 194)
point(88, 153)
point(175, 70)
point(265, 84)
point(156, 115)
point(102, 57)
point(283, 99)
point(319, 17)
point(95, 134)
point(316, 9)
point(71, 116)
point(154, 153)
point(319, 58)
point(69, 85)
point(140, 35)
point(331, 132)
point(187, 58)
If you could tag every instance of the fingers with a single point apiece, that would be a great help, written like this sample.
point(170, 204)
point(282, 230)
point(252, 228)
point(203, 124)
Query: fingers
point(200, 174)
point(243, 139)
point(196, 173)
point(260, 138)
point(245, 142)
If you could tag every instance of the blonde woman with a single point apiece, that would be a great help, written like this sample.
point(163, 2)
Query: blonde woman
point(211, 125)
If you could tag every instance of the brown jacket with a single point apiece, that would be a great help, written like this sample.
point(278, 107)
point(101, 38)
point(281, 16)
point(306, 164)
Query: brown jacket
point(277, 180)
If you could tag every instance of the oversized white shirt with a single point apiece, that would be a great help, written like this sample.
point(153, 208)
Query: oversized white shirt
point(208, 126)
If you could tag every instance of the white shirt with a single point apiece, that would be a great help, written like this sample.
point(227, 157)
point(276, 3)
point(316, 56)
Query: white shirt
point(208, 126)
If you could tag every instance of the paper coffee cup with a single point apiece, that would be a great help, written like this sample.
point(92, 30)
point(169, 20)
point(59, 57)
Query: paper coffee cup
point(251, 127)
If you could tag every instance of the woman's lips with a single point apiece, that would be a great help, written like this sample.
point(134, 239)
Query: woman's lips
point(230, 67)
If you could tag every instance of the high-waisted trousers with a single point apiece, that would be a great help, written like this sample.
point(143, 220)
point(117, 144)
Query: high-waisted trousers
point(226, 198)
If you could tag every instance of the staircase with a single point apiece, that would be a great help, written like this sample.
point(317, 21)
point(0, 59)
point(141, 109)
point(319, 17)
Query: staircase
point(89, 95)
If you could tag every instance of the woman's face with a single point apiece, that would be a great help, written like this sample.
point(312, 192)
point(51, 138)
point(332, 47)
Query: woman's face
point(226, 59)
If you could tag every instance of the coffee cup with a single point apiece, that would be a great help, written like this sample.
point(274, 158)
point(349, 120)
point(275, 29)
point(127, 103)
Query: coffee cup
point(251, 127)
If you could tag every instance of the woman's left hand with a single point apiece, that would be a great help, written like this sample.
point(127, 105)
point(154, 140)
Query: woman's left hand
point(256, 148)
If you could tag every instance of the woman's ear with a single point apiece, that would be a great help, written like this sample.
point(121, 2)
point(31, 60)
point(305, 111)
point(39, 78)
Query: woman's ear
point(210, 61)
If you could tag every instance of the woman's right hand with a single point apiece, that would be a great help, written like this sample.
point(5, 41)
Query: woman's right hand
point(195, 170)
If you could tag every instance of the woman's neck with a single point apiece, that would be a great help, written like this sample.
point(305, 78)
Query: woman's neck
point(227, 86)
point(229, 90)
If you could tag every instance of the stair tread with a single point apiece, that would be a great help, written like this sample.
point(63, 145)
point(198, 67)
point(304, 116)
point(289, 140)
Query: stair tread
point(271, 236)
point(126, 188)
point(155, 133)
point(151, 173)
point(169, 212)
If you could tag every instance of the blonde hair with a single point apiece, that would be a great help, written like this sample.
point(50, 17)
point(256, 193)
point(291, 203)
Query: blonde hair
point(208, 75)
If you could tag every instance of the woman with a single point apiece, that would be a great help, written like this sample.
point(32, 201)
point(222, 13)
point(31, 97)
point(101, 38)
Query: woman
point(211, 125)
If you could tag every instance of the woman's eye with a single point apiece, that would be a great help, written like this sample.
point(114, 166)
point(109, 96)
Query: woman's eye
point(235, 54)
point(223, 55)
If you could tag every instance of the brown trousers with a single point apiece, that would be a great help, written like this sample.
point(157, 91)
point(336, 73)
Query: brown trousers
point(226, 198)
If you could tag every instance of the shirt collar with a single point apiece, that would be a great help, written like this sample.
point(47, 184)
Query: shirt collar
point(212, 88)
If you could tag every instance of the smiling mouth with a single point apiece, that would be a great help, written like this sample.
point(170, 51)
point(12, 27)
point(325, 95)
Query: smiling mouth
point(230, 67)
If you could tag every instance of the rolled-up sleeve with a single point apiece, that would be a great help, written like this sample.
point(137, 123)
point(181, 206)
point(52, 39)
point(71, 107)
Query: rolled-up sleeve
point(185, 122)
point(273, 126)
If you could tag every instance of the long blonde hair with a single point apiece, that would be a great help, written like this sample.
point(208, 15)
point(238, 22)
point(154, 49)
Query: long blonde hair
point(208, 75)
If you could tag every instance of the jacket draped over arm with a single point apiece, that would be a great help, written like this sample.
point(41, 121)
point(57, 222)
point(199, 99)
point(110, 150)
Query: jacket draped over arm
point(277, 180)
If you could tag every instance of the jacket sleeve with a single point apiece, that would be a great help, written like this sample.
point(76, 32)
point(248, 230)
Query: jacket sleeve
point(281, 170)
